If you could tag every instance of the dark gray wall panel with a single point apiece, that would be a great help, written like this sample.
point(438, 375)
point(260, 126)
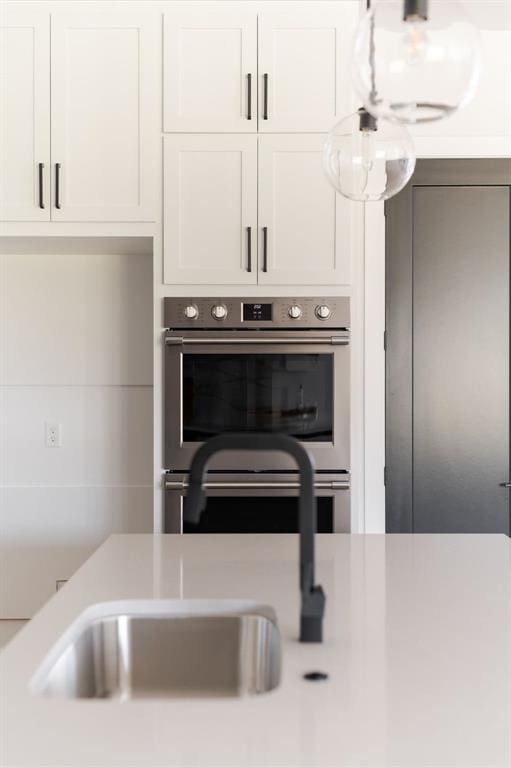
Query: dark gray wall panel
point(443, 290)
point(460, 358)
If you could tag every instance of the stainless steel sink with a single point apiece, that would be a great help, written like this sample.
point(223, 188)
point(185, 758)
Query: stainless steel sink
point(136, 655)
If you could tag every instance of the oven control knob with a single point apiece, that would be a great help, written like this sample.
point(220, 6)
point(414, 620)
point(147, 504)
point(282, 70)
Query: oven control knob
point(219, 311)
point(191, 312)
point(295, 312)
point(323, 312)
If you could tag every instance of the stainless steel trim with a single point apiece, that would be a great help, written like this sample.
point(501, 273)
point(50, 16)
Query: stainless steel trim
point(331, 485)
point(180, 340)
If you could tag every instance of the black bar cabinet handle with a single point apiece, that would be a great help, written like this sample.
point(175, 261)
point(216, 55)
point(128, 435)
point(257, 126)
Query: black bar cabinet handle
point(57, 185)
point(249, 96)
point(265, 97)
point(249, 249)
point(265, 249)
point(41, 195)
point(505, 485)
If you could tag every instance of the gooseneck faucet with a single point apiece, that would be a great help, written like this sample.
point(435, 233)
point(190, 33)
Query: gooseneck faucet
point(313, 597)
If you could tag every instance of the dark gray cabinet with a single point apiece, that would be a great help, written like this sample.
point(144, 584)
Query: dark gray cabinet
point(448, 336)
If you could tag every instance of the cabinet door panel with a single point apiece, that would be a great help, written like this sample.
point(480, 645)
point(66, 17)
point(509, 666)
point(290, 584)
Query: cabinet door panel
point(24, 113)
point(104, 124)
point(210, 201)
point(309, 226)
point(209, 53)
point(304, 54)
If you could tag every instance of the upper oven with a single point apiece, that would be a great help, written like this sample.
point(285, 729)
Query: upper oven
point(271, 365)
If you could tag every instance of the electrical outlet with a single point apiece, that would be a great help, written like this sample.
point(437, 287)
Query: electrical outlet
point(53, 434)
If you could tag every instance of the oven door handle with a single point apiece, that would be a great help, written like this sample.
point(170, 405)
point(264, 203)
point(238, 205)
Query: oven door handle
point(180, 340)
point(331, 485)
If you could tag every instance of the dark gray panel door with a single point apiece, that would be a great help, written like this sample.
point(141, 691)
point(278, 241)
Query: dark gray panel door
point(448, 250)
point(461, 242)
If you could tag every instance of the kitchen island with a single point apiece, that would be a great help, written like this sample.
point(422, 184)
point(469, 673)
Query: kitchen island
point(417, 650)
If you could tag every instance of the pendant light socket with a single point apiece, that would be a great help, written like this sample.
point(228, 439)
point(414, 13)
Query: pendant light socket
point(367, 121)
point(415, 10)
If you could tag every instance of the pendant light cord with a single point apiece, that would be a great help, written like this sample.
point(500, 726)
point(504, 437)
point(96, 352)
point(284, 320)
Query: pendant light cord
point(372, 53)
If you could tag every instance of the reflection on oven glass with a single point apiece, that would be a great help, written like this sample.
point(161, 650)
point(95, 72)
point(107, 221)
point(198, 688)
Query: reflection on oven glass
point(287, 393)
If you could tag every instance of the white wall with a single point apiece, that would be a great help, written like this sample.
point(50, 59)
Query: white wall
point(75, 348)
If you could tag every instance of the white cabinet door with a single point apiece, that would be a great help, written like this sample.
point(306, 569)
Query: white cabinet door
point(104, 79)
point(210, 68)
point(24, 113)
point(210, 216)
point(304, 70)
point(306, 228)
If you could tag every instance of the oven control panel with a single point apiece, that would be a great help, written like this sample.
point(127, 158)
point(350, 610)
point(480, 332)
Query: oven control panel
point(253, 313)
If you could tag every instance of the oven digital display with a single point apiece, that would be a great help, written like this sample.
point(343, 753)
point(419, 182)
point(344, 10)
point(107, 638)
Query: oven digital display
point(253, 312)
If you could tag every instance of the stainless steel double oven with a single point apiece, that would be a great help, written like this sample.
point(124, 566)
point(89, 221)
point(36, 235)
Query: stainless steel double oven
point(258, 365)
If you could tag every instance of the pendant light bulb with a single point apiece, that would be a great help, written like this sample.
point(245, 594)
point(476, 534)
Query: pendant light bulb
point(416, 60)
point(367, 159)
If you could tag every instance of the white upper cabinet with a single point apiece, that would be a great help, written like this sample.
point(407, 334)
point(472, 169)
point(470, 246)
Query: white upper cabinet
point(241, 67)
point(210, 216)
point(104, 80)
point(304, 71)
point(24, 114)
point(214, 233)
point(210, 68)
point(306, 228)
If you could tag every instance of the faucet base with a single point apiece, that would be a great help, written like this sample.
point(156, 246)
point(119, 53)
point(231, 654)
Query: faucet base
point(311, 629)
point(311, 617)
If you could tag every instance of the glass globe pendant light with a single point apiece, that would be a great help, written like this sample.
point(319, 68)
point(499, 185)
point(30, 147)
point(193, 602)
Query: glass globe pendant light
point(367, 159)
point(416, 60)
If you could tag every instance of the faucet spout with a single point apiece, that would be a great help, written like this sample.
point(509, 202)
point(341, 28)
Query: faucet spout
point(312, 596)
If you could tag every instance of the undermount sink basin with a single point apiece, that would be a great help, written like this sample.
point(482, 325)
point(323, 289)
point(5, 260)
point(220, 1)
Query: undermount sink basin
point(155, 649)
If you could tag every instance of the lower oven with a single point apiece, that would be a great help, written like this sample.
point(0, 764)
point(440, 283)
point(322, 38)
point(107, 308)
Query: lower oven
point(258, 503)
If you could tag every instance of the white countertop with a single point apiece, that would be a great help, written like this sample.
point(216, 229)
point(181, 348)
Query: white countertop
point(417, 646)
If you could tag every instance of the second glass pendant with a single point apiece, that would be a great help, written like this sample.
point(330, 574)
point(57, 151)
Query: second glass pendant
point(415, 60)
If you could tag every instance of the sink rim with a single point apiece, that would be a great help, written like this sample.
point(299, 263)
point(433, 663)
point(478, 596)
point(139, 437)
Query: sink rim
point(144, 608)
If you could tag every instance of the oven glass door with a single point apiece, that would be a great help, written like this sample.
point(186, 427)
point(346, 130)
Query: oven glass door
point(297, 390)
point(286, 393)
